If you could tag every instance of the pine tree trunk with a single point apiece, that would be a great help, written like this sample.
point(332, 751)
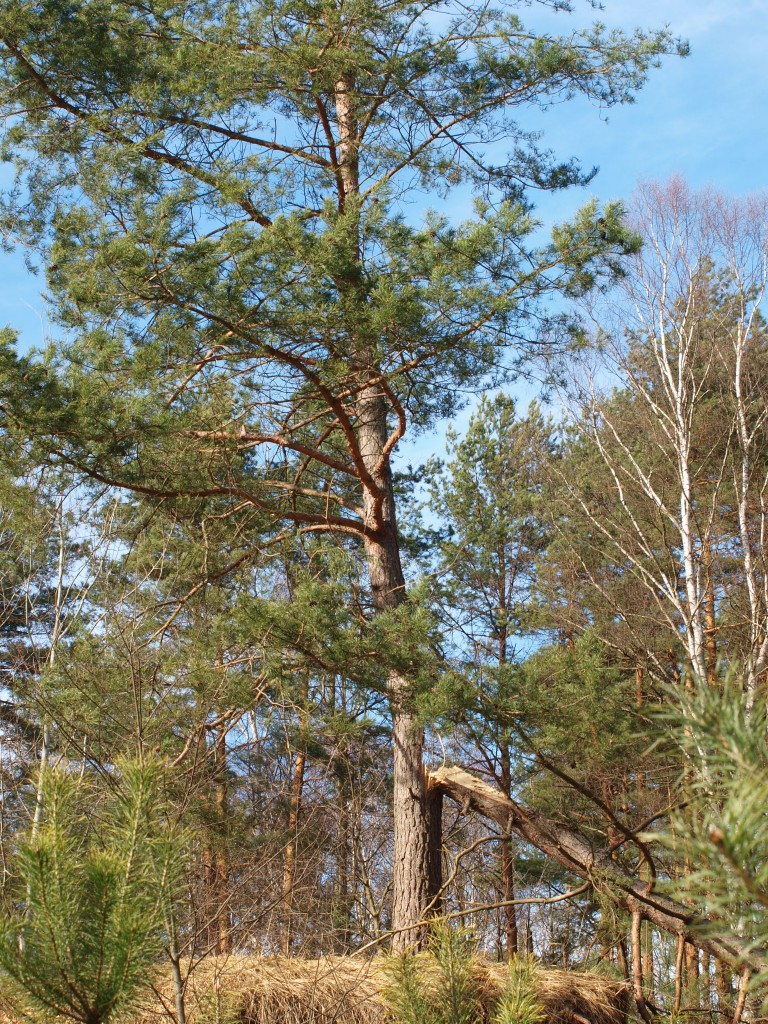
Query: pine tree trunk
point(410, 890)
point(294, 814)
point(692, 1000)
point(710, 622)
point(648, 978)
point(410, 887)
point(342, 902)
point(223, 938)
point(508, 863)
point(435, 813)
point(724, 983)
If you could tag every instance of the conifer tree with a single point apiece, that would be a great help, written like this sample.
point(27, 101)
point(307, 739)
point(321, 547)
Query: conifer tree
point(215, 191)
point(489, 496)
point(88, 914)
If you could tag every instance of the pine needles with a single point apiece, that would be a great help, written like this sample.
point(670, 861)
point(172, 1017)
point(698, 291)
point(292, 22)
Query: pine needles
point(86, 917)
point(452, 994)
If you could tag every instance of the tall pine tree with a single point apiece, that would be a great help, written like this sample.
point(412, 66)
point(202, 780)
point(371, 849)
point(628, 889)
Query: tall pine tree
point(216, 190)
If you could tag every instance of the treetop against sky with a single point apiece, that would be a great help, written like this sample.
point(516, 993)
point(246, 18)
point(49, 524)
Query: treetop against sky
point(699, 117)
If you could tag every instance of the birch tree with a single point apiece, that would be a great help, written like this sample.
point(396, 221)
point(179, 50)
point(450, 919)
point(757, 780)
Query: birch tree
point(680, 439)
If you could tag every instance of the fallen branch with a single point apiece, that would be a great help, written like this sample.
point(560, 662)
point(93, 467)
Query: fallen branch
point(595, 864)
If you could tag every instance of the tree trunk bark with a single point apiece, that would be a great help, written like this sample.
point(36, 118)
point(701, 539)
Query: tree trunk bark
point(679, 968)
point(508, 864)
point(710, 622)
point(637, 968)
point(435, 812)
point(410, 887)
point(294, 814)
point(692, 994)
point(221, 857)
point(217, 923)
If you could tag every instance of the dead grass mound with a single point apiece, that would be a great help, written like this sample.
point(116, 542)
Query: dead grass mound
point(348, 990)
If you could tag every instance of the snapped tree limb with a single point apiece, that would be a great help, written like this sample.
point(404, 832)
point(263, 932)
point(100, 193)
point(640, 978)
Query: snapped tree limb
point(595, 864)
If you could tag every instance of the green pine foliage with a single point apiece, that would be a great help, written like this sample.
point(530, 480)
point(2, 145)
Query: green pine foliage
point(85, 917)
point(443, 986)
point(438, 987)
point(408, 991)
point(519, 1002)
point(722, 829)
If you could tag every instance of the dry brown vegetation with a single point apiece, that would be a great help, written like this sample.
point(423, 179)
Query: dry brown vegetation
point(349, 990)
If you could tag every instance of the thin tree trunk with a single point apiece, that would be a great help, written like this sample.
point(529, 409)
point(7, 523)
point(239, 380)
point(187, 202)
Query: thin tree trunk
point(178, 981)
point(508, 864)
point(740, 1002)
point(435, 812)
point(637, 968)
point(342, 908)
point(648, 979)
point(724, 984)
point(692, 995)
point(710, 622)
point(294, 813)
point(223, 916)
point(679, 969)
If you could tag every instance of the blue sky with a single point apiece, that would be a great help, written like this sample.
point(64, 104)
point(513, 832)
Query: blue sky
point(704, 117)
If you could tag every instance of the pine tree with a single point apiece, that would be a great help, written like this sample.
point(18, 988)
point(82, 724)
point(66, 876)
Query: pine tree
point(489, 497)
point(215, 191)
point(88, 915)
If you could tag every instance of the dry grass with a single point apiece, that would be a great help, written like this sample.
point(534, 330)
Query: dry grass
point(348, 990)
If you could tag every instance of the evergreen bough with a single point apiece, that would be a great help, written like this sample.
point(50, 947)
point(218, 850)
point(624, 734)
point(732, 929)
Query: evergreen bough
point(721, 831)
point(91, 888)
point(444, 985)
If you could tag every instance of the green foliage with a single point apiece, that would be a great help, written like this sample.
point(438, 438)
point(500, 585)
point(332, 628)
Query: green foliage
point(519, 1003)
point(443, 986)
point(438, 987)
point(580, 706)
point(456, 993)
point(409, 992)
point(92, 887)
point(216, 277)
point(722, 831)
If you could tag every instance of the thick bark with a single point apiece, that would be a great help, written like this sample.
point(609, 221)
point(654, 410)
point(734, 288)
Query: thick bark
point(571, 849)
point(410, 885)
point(410, 872)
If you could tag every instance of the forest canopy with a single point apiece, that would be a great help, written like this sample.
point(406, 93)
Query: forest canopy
point(315, 700)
